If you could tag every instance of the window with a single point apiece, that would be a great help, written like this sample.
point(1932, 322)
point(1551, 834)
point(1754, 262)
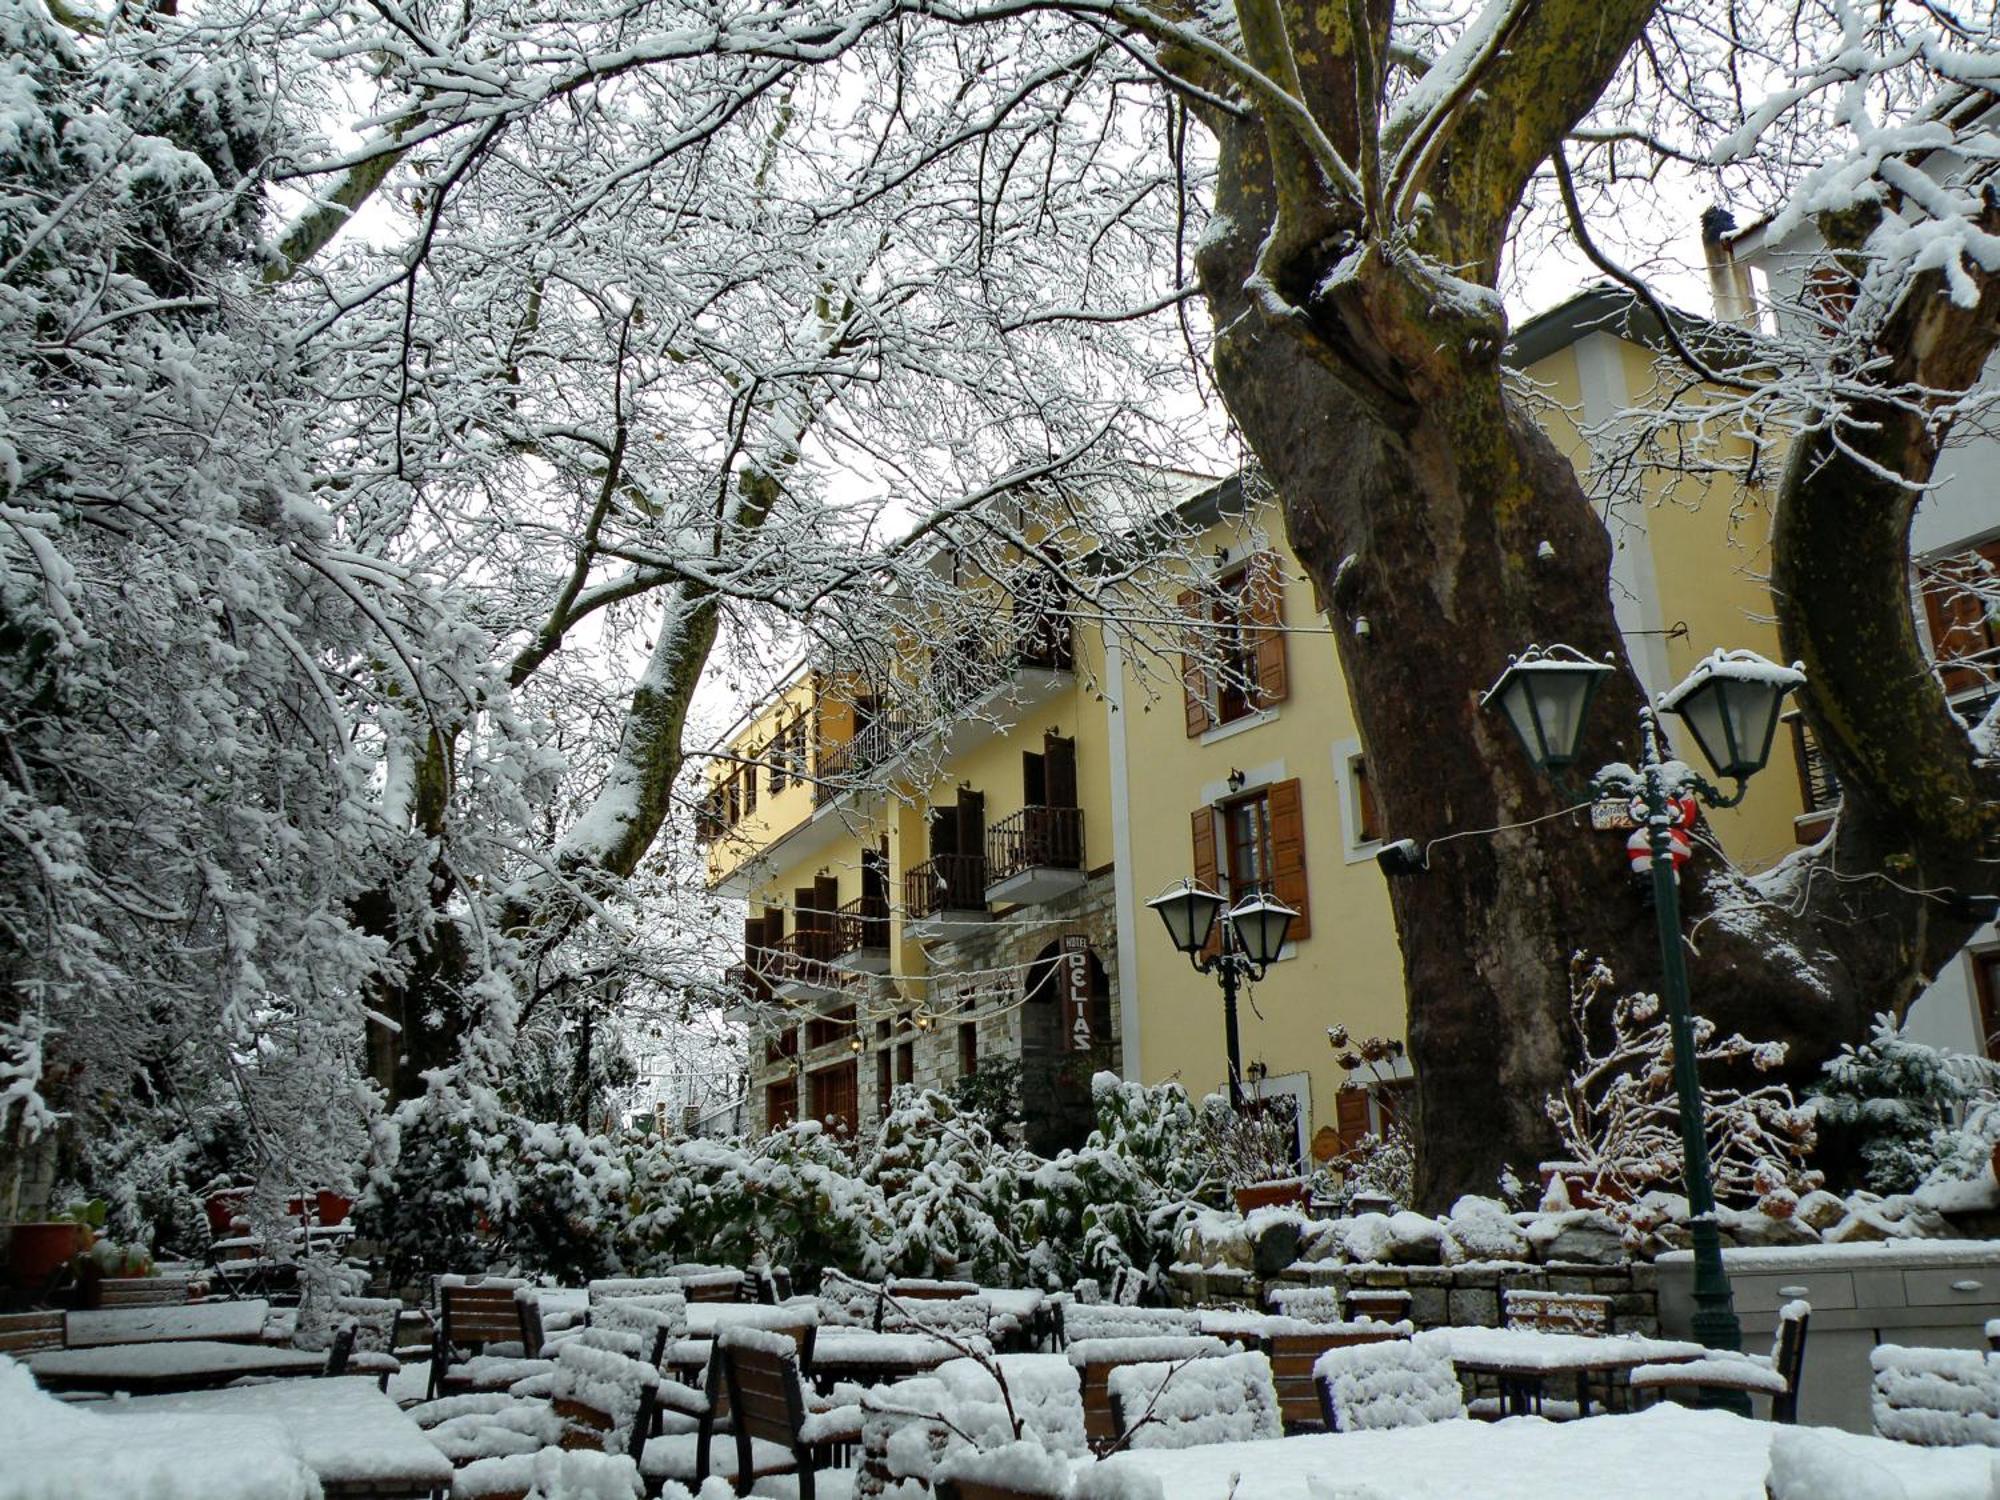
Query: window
point(1246, 826)
point(1367, 822)
point(824, 1031)
point(784, 1044)
point(1961, 597)
point(836, 1095)
point(787, 754)
point(708, 817)
point(906, 1063)
point(749, 775)
point(1233, 650)
point(968, 1041)
point(1257, 843)
point(781, 1103)
point(1986, 990)
point(885, 1067)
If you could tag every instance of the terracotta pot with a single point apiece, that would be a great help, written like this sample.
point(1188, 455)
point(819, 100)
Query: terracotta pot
point(225, 1212)
point(37, 1251)
point(1287, 1194)
point(334, 1207)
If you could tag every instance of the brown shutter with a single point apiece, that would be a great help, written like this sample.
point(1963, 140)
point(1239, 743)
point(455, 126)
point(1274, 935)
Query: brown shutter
point(1059, 758)
point(1288, 855)
point(1194, 677)
point(1265, 603)
point(1206, 872)
point(971, 821)
point(1350, 1116)
point(826, 894)
point(944, 831)
point(1034, 779)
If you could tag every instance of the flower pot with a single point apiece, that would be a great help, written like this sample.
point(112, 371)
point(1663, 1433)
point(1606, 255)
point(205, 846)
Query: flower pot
point(37, 1251)
point(226, 1211)
point(1288, 1193)
point(334, 1207)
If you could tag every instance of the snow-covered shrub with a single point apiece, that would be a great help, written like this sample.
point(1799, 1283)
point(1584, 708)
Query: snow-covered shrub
point(795, 1197)
point(438, 1182)
point(1619, 1116)
point(1124, 1198)
point(571, 1203)
point(1257, 1146)
point(949, 1189)
point(1887, 1109)
point(1384, 1164)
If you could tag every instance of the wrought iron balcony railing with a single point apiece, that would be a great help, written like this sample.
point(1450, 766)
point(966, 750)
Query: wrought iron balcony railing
point(944, 882)
point(1049, 838)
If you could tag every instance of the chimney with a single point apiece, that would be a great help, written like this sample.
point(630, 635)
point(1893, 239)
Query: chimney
point(1728, 280)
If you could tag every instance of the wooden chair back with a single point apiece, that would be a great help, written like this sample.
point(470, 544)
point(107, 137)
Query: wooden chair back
point(1190, 1403)
point(1384, 1305)
point(1095, 1359)
point(1397, 1383)
point(1788, 1358)
point(1935, 1398)
point(140, 1291)
point(340, 1349)
point(31, 1333)
point(587, 1366)
point(1293, 1355)
point(760, 1379)
point(484, 1313)
point(1558, 1312)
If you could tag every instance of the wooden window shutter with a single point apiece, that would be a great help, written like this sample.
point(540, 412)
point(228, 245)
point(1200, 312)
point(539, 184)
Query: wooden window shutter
point(826, 894)
point(1265, 601)
point(1207, 872)
point(944, 831)
point(1194, 676)
point(1059, 757)
point(1288, 855)
point(1034, 779)
point(1350, 1118)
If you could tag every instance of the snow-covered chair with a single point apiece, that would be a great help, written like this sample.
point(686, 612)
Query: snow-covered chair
point(957, 1317)
point(1016, 1471)
point(706, 1283)
point(603, 1390)
point(1398, 1383)
point(1936, 1397)
point(1294, 1345)
point(1311, 1304)
point(613, 1288)
point(774, 1427)
point(1189, 1403)
point(1101, 1320)
point(1095, 1359)
point(1775, 1375)
point(488, 1335)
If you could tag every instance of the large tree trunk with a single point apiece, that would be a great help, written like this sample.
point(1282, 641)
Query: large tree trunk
point(1445, 531)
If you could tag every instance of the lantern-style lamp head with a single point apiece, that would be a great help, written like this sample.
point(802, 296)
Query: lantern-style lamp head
point(1730, 702)
point(1189, 912)
point(1545, 695)
point(1261, 924)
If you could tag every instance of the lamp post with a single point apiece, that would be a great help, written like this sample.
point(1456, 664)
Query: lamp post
point(1730, 702)
point(1253, 934)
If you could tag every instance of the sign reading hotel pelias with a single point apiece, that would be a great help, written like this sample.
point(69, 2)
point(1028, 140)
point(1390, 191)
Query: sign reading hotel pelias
point(1076, 991)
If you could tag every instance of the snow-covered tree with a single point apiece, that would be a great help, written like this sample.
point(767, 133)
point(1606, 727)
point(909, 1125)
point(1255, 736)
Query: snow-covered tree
point(1887, 1107)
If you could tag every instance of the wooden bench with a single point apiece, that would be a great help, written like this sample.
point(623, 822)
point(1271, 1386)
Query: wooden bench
point(136, 1291)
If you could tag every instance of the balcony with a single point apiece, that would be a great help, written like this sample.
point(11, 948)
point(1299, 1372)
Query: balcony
point(803, 972)
point(845, 766)
point(1035, 855)
point(861, 936)
point(945, 898)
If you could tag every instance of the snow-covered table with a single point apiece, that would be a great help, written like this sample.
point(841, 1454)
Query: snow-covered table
point(223, 1322)
point(1666, 1453)
point(183, 1365)
point(1523, 1358)
point(860, 1357)
point(357, 1440)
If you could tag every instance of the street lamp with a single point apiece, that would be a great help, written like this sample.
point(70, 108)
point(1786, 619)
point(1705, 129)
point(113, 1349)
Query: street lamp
point(1253, 934)
point(1730, 702)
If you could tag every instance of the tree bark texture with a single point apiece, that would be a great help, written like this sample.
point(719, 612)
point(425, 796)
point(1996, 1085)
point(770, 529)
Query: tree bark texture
point(1445, 531)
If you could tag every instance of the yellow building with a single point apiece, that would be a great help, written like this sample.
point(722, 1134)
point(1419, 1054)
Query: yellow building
point(922, 899)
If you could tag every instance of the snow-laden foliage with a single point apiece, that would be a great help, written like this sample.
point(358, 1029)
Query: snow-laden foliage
point(1620, 1118)
point(1891, 1108)
point(459, 1183)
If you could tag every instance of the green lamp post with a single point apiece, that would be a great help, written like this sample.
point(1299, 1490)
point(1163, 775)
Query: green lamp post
point(1730, 702)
